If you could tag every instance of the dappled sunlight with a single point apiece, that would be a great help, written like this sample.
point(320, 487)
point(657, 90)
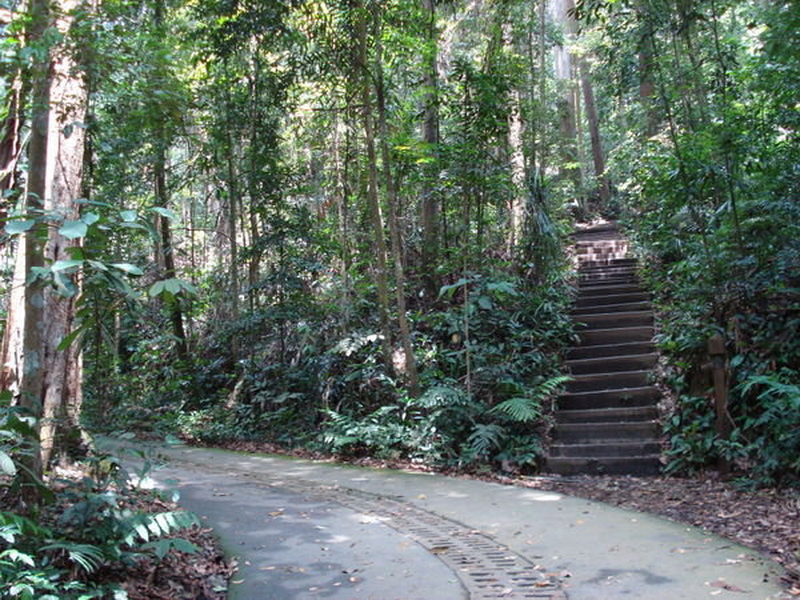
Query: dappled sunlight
point(537, 496)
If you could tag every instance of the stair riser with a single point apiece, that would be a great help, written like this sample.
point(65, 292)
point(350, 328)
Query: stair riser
point(641, 467)
point(610, 415)
point(606, 263)
point(591, 270)
point(598, 433)
point(610, 381)
point(610, 351)
point(592, 337)
point(594, 300)
point(611, 308)
point(612, 364)
point(585, 285)
point(645, 396)
point(610, 290)
point(610, 450)
point(614, 320)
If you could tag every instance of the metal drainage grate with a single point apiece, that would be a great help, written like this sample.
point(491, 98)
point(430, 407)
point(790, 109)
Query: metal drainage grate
point(487, 569)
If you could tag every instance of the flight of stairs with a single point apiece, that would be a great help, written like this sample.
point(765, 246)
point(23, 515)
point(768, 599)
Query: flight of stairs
point(607, 421)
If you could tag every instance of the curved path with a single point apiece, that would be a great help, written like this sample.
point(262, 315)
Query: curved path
point(305, 530)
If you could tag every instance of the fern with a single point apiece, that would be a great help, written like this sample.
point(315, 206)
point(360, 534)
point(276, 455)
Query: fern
point(143, 527)
point(87, 556)
point(486, 437)
point(519, 409)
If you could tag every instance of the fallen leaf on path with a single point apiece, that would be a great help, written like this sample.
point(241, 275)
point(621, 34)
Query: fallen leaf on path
point(721, 583)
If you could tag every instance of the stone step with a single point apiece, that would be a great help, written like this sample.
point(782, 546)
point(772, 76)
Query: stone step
point(620, 264)
point(584, 284)
point(612, 364)
point(591, 433)
point(596, 382)
point(608, 415)
point(645, 395)
point(642, 466)
point(617, 449)
point(616, 335)
point(615, 319)
point(592, 300)
point(607, 262)
point(589, 276)
point(610, 350)
point(609, 290)
point(611, 308)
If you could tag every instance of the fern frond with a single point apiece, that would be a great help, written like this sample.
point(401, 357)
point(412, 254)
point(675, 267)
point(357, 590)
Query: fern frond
point(486, 437)
point(519, 409)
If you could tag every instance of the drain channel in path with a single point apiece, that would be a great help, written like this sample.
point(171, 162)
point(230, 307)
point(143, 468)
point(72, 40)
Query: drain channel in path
point(487, 570)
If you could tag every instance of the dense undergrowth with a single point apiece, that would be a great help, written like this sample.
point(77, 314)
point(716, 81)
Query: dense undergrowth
point(488, 356)
point(89, 531)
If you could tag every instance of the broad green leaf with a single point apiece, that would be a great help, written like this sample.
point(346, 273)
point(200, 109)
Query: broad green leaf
point(62, 265)
point(19, 226)
point(485, 302)
point(90, 218)
point(129, 216)
point(156, 289)
point(449, 290)
point(68, 339)
point(7, 465)
point(128, 268)
point(173, 286)
point(73, 229)
point(164, 212)
point(97, 265)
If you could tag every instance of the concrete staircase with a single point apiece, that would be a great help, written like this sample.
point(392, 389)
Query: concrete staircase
point(607, 421)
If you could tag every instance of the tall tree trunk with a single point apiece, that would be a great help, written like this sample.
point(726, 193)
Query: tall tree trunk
point(563, 69)
point(32, 369)
point(430, 135)
point(66, 147)
point(598, 157)
point(376, 213)
point(165, 248)
point(394, 226)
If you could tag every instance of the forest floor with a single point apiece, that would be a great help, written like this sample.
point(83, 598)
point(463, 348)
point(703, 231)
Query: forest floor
point(767, 520)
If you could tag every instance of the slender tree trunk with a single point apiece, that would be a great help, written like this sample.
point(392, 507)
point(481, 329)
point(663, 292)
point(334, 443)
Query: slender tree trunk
point(32, 370)
point(598, 157)
point(430, 135)
point(233, 202)
point(564, 79)
point(166, 250)
point(372, 194)
point(394, 227)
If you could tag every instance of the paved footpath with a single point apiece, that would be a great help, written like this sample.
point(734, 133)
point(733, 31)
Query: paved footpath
point(305, 530)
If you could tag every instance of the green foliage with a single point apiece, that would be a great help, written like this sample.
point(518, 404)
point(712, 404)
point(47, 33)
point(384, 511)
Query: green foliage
point(711, 205)
point(494, 412)
point(86, 526)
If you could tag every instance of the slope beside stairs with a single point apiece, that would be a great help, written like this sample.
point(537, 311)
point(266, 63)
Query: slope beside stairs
point(607, 421)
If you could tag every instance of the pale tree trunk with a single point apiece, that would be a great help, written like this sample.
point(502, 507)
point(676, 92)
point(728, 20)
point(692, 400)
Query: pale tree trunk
point(372, 196)
point(516, 156)
point(562, 60)
point(430, 135)
point(518, 172)
point(394, 226)
point(66, 145)
point(10, 152)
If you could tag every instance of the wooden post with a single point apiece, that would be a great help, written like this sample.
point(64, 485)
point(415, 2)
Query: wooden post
point(717, 353)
